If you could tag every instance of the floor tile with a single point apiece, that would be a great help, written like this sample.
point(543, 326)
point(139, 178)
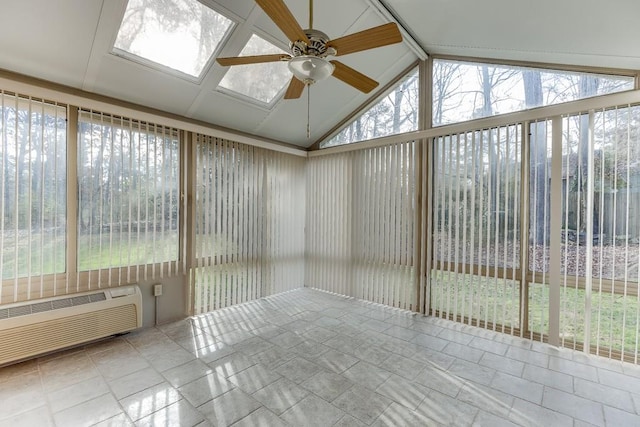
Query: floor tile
point(574, 406)
point(148, 401)
point(403, 391)
point(214, 352)
point(180, 413)
point(312, 411)
point(273, 357)
point(205, 389)
point(184, 374)
point(463, 352)
point(486, 398)
point(77, 393)
point(617, 417)
point(446, 410)
point(231, 364)
point(489, 346)
point(38, 416)
point(548, 377)
point(442, 381)
point(335, 361)
point(21, 394)
point(171, 359)
point(620, 381)
point(575, 369)
point(253, 345)
point(228, 408)
point(367, 375)
point(362, 403)
point(349, 421)
point(65, 371)
point(253, 378)
point(490, 420)
point(327, 385)
point(527, 356)
point(501, 363)
point(88, 413)
point(518, 387)
point(298, 369)
point(402, 366)
point(400, 416)
point(472, 371)
point(261, 417)
point(120, 420)
point(604, 394)
point(531, 415)
point(280, 395)
point(135, 382)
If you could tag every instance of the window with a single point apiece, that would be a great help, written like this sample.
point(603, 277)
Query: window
point(262, 82)
point(465, 91)
point(181, 34)
point(249, 227)
point(128, 193)
point(33, 189)
point(395, 113)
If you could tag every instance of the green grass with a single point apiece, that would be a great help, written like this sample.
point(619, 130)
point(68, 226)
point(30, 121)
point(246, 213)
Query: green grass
point(614, 318)
point(100, 252)
point(48, 252)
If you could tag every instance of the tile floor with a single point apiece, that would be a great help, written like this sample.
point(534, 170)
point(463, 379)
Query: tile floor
point(308, 358)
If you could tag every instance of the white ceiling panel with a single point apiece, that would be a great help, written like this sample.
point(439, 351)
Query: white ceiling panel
point(124, 79)
point(229, 112)
point(48, 39)
point(593, 33)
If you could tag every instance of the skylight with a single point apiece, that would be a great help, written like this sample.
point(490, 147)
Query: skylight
point(262, 82)
point(182, 36)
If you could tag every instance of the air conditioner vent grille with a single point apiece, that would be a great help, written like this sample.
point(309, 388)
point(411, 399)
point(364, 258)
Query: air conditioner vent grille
point(97, 297)
point(84, 299)
point(51, 305)
point(62, 303)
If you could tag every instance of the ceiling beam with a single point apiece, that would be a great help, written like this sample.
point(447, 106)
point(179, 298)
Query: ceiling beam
point(408, 38)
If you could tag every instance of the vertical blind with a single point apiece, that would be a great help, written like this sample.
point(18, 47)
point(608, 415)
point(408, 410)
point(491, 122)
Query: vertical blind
point(249, 229)
point(361, 224)
point(128, 200)
point(33, 191)
point(476, 227)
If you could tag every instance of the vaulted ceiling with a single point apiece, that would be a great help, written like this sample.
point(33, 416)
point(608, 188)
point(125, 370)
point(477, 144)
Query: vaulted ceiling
point(71, 42)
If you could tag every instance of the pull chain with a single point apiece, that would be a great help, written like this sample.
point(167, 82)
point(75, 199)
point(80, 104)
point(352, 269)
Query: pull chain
point(308, 111)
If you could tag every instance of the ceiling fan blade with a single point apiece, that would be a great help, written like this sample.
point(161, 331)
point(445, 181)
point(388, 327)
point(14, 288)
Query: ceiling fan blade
point(294, 91)
point(353, 77)
point(242, 60)
point(284, 19)
point(368, 39)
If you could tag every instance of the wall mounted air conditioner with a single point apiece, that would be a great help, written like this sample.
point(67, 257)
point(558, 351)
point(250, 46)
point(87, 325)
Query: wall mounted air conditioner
point(40, 326)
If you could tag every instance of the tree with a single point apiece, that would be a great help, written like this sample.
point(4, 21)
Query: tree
point(539, 196)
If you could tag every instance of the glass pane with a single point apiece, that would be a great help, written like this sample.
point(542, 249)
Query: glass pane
point(180, 34)
point(465, 91)
point(33, 188)
point(128, 183)
point(258, 81)
point(396, 113)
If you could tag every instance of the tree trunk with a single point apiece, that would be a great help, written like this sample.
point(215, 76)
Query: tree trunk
point(538, 161)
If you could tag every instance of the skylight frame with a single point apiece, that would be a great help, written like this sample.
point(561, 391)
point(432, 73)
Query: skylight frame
point(149, 63)
point(255, 102)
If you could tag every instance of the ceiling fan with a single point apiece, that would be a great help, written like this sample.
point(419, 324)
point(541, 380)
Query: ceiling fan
point(310, 49)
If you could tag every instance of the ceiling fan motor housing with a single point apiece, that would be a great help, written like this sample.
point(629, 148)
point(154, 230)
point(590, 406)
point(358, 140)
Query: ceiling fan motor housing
point(317, 47)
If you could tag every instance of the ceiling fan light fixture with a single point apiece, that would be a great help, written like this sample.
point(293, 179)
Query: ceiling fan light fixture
point(310, 69)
